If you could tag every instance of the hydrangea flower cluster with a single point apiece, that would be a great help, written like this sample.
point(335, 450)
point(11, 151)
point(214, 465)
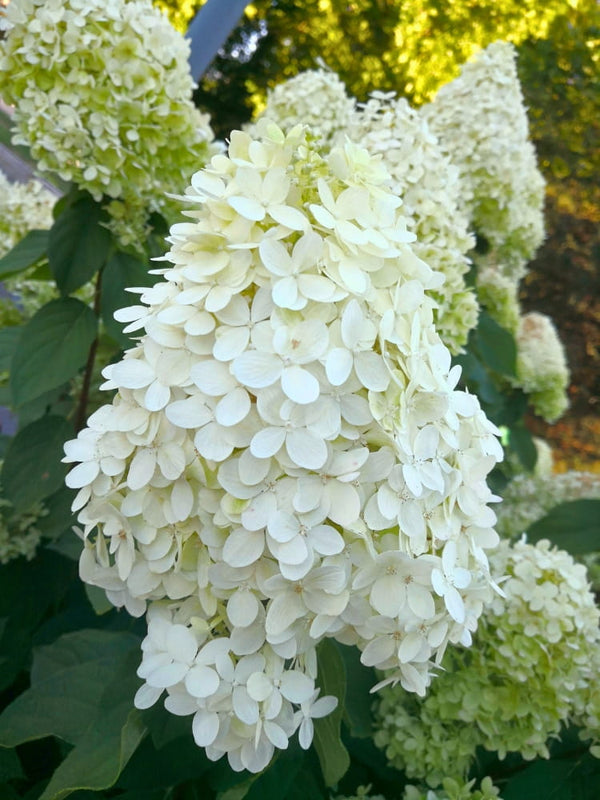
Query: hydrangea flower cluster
point(316, 98)
point(542, 370)
point(482, 125)
point(23, 207)
point(451, 790)
point(287, 456)
point(527, 499)
point(102, 89)
point(534, 667)
point(455, 790)
point(429, 186)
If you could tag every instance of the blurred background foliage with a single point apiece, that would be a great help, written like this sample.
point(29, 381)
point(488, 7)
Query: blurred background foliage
point(413, 47)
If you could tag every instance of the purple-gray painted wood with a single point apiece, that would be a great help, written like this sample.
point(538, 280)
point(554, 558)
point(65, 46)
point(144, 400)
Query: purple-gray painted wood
point(209, 30)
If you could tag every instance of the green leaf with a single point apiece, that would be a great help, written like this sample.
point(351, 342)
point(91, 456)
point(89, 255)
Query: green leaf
point(8, 343)
point(496, 346)
point(359, 682)
point(98, 599)
point(573, 526)
point(82, 689)
point(122, 271)
point(331, 679)
point(24, 254)
point(277, 779)
point(59, 517)
point(576, 778)
point(99, 758)
point(10, 766)
point(179, 760)
point(78, 244)
point(53, 346)
point(521, 441)
point(32, 467)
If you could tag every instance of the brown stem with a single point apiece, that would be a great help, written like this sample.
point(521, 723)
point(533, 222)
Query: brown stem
point(81, 415)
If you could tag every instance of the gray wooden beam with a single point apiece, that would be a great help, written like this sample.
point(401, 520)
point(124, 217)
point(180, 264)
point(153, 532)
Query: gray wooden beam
point(209, 30)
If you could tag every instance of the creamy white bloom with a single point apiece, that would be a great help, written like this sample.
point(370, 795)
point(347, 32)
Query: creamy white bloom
point(288, 390)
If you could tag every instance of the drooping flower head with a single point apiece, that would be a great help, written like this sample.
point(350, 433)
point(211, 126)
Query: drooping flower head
point(428, 183)
point(286, 457)
point(316, 98)
point(533, 667)
point(482, 125)
point(102, 94)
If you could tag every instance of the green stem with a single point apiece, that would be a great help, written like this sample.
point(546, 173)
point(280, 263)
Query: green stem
point(81, 415)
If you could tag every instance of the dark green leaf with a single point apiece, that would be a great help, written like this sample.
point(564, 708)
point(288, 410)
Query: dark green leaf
point(81, 690)
point(521, 441)
point(10, 766)
point(47, 577)
point(359, 681)
point(8, 343)
point(496, 346)
point(59, 517)
point(333, 756)
point(576, 778)
point(99, 758)
point(122, 271)
point(276, 780)
point(180, 760)
point(53, 346)
point(24, 254)
point(78, 244)
point(32, 467)
point(573, 526)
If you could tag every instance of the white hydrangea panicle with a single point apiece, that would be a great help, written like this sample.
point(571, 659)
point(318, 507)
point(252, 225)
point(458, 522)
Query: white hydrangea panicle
point(533, 668)
point(481, 122)
point(542, 370)
point(316, 97)
point(287, 457)
point(428, 183)
point(101, 90)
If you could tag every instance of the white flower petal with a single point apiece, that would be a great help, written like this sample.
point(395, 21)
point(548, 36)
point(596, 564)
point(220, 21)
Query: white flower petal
point(299, 385)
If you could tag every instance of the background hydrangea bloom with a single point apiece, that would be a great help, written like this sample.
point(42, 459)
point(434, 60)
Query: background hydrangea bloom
point(533, 667)
point(101, 91)
point(482, 125)
point(428, 183)
point(316, 98)
point(287, 456)
point(23, 207)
